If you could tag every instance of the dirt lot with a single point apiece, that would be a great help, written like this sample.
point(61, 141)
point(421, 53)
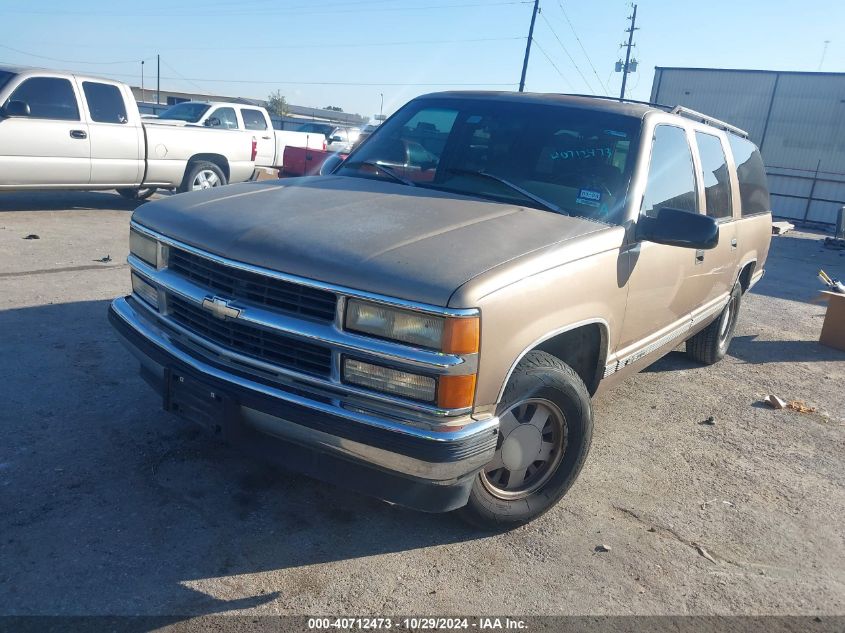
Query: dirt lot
point(110, 506)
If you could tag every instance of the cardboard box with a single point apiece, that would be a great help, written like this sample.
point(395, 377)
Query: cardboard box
point(833, 329)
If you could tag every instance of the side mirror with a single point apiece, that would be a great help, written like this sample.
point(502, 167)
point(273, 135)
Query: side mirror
point(675, 227)
point(330, 164)
point(16, 108)
point(212, 122)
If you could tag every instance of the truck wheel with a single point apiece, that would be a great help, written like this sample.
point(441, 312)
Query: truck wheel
point(202, 175)
point(545, 430)
point(137, 194)
point(711, 344)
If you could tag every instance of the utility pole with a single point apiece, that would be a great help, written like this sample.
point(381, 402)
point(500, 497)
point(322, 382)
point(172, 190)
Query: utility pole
point(158, 79)
point(626, 68)
point(824, 54)
point(143, 97)
point(528, 45)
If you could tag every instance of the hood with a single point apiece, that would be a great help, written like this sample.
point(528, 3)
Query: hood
point(406, 242)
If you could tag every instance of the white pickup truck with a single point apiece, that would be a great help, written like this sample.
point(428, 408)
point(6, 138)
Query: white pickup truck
point(62, 130)
point(238, 116)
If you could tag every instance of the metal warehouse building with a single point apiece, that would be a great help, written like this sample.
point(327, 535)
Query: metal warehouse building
point(796, 118)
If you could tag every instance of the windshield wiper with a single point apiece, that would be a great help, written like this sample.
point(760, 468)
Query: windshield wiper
point(382, 168)
point(551, 206)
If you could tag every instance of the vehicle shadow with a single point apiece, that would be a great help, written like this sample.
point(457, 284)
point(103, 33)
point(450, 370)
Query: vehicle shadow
point(753, 351)
point(65, 200)
point(111, 506)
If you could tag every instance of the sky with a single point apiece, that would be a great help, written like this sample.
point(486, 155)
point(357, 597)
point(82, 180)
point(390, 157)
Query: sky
point(349, 53)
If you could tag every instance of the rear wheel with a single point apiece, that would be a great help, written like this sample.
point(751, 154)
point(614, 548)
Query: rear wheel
point(545, 429)
point(202, 175)
point(711, 344)
point(137, 194)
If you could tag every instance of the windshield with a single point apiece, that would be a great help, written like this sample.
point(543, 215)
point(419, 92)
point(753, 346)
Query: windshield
point(189, 112)
point(575, 161)
point(5, 76)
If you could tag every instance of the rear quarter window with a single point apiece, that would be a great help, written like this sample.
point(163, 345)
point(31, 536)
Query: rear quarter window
point(105, 103)
point(753, 188)
point(253, 119)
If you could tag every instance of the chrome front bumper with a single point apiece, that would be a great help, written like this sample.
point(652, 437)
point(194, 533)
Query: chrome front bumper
point(330, 427)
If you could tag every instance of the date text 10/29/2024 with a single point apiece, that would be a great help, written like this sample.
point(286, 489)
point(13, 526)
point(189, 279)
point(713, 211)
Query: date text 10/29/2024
point(417, 624)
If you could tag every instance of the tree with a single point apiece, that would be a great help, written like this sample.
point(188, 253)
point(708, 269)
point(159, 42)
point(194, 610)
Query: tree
point(333, 108)
point(277, 104)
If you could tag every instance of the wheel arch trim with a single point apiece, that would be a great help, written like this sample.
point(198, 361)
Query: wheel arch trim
point(604, 344)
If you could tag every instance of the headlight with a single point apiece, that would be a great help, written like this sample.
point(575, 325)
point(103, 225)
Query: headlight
point(387, 380)
point(456, 335)
point(145, 290)
point(144, 248)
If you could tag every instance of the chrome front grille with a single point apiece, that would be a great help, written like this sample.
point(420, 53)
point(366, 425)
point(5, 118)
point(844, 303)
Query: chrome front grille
point(243, 285)
point(270, 347)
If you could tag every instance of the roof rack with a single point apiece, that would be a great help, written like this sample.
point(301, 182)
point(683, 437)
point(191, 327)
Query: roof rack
point(709, 120)
point(680, 110)
point(608, 98)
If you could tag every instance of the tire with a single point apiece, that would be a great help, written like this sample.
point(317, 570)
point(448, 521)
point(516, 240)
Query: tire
point(711, 344)
point(137, 194)
point(540, 384)
point(202, 175)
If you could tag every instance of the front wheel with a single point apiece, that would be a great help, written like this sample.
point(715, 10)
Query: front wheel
point(711, 344)
point(202, 175)
point(545, 430)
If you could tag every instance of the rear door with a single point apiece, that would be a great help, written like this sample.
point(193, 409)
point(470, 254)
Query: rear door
point(116, 145)
point(256, 122)
point(719, 265)
point(50, 145)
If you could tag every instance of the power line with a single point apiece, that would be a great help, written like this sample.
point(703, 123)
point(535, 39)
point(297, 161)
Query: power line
point(546, 55)
point(587, 55)
point(318, 83)
point(349, 45)
point(277, 11)
point(72, 61)
point(200, 88)
point(571, 59)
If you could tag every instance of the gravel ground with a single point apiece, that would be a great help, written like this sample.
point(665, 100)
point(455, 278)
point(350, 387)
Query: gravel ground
point(110, 506)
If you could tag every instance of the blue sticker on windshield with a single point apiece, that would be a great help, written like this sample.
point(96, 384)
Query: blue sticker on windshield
point(590, 197)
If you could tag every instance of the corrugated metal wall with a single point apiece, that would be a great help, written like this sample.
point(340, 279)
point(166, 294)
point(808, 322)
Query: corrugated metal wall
point(797, 119)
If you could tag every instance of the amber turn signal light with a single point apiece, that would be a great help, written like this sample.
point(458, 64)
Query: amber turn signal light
point(455, 392)
point(460, 335)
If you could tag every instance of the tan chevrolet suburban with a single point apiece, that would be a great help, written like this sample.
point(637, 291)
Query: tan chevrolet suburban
point(428, 323)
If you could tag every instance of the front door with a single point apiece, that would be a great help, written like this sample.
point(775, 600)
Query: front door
point(50, 144)
point(666, 284)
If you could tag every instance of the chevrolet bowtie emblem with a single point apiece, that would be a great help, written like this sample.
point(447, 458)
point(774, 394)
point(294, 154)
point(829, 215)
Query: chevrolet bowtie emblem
point(220, 308)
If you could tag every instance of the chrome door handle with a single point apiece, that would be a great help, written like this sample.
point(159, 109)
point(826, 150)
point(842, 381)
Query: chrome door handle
point(266, 138)
point(699, 256)
point(733, 243)
point(78, 134)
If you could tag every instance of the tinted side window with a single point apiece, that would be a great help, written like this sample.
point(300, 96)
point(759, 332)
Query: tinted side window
point(753, 190)
point(671, 179)
point(104, 102)
point(717, 184)
point(226, 116)
point(48, 98)
point(253, 120)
